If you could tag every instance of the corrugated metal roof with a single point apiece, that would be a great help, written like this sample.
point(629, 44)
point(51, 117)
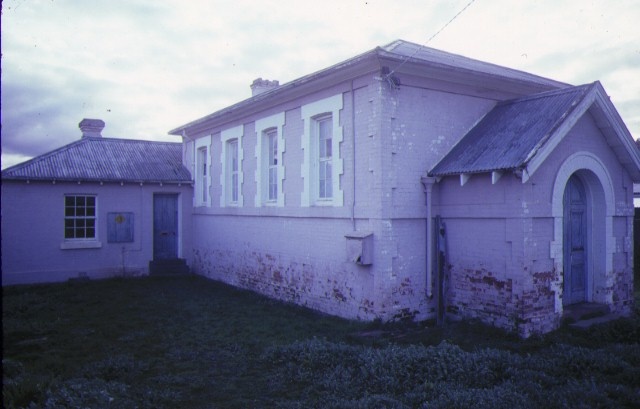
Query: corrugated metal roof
point(106, 160)
point(510, 134)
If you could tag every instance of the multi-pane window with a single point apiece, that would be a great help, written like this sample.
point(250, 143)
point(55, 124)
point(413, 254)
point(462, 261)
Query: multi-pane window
point(233, 170)
point(231, 177)
point(270, 146)
point(79, 217)
point(322, 165)
point(272, 138)
point(325, 135)
point(202, 173)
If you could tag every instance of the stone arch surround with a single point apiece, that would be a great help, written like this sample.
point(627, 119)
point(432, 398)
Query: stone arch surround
point(598, 183)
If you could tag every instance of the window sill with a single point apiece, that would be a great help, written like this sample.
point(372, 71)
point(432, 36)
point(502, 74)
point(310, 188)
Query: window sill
point(80, 244)
point(324, 202)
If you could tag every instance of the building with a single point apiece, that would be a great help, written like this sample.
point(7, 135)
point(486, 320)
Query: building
point(95, 208)
point(325, 191)
point(403, 183)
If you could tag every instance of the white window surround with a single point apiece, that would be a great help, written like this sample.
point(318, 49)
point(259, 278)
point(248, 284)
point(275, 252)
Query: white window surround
point(205, 144)
point(226, 136)
point(262, 155)
point(83, 243)
point(310, 165)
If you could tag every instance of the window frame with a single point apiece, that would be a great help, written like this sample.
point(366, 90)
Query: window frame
point(232, 160)
point(232, 180)
point(84, 218)
point(202, 191)
point(271, 136)
point(324, 183)
point(312, 114)
point(263, 127)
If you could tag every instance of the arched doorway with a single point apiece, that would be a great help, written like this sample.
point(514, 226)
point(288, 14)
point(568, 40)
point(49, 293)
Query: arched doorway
point(594, 178)
point(576, 249)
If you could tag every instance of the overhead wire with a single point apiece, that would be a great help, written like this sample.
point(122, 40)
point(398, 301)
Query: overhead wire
point(429, 40)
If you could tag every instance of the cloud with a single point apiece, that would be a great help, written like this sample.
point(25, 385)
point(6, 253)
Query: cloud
point(148, 66)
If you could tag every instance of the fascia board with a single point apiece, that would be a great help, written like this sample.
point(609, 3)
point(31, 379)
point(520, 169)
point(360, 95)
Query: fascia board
point(598, 97)
point(477, 79)
point(547, 145)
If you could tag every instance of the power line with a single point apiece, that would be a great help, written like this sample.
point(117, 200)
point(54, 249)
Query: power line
point(430, 38)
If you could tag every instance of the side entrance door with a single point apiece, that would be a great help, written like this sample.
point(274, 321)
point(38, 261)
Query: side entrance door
point(575, 242)
point(165, 226)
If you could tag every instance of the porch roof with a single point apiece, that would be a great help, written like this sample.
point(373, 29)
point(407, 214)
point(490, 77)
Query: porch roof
point(517, 135)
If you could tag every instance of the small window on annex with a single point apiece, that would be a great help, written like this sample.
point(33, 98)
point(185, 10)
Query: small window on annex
point(80, 217)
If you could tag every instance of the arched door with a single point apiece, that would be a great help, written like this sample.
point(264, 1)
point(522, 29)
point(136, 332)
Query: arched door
point(575, 242)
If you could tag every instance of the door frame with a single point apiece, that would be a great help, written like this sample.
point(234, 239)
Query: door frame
point(567, 270)
point(598, 183)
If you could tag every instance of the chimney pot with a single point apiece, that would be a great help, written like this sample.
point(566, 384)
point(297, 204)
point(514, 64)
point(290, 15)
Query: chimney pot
point(91, 128)
point(259, 86)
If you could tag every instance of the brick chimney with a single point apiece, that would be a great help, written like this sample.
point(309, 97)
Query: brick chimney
point(259, 86)
point(91, 128)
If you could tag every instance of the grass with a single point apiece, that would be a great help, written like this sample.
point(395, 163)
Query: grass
point(190, 342)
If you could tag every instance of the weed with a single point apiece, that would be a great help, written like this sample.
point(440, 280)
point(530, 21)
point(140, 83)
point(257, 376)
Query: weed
point(190, 342)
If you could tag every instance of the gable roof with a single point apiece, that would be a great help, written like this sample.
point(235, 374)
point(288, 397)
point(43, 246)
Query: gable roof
point(397, 55)
point(517, 135)
point(106, 160)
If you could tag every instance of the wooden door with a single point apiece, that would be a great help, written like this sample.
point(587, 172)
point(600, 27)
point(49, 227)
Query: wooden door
point(575, 242)
point(165, 226)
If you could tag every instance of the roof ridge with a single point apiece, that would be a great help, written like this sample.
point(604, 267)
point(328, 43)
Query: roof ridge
point(129, 140)
point(554, 92)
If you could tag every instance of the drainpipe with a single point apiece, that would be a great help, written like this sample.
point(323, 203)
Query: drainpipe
point(427, 183)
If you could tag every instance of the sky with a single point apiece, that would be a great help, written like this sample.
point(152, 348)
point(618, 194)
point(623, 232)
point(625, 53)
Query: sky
point(148, 66)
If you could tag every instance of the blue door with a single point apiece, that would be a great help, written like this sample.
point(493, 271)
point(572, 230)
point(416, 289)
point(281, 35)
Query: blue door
point(575, 242)
point(165, 226)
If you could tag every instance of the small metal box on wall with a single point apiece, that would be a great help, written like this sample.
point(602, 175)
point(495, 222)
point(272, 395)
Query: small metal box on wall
point(360, 247)
point(120, 227)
